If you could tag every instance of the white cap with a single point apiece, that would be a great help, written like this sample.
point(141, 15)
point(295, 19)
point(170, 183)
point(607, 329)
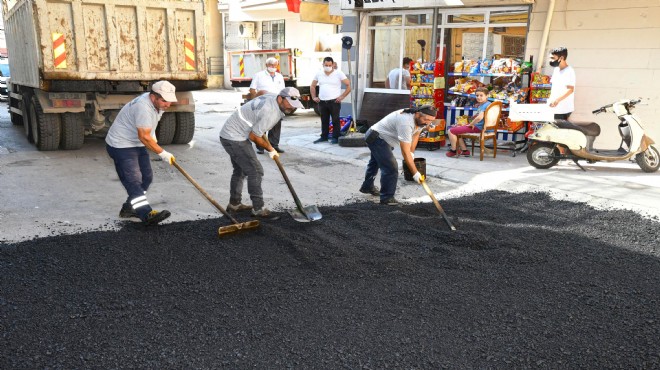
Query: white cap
point(292, 95)
point(166, 90)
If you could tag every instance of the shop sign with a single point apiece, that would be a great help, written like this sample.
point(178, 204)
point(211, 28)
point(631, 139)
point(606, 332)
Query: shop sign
point(384, 4)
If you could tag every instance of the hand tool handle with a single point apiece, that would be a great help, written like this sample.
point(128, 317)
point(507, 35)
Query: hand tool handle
point(437, 205)
point(207, 195)
point(286, 179)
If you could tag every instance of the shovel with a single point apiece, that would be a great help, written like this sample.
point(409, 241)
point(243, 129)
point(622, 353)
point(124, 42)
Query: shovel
point(222, 230)
point(437, 205)
point(300, 214)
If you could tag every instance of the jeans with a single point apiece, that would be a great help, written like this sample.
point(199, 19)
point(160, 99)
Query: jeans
point(382, 158)
point(330, 108)
point(134, 170)
point(245, 164)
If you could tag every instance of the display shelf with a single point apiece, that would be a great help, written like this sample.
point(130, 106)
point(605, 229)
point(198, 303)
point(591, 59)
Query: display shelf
point(541, 86)
point(421, 84)
point(466, 74)
point(421, 72)
point(505, 101)
point(421, 96)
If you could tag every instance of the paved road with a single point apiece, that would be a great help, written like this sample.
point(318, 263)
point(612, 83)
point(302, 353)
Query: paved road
point(49, 193)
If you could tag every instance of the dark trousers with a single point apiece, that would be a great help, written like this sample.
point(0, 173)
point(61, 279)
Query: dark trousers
point(133, 167)
point(382, 158)
point(274, 135)
point(245, 164)
point(330, 108)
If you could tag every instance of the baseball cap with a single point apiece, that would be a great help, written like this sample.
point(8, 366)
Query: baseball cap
point(166, 90)
point(292, 95)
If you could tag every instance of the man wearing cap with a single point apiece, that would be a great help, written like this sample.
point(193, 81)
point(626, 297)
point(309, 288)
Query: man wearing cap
point(129, 137)
point(248, 124)
point(269, 81)
point(400, 128)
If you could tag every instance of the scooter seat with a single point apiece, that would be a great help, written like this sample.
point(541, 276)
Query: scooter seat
point(587, 128)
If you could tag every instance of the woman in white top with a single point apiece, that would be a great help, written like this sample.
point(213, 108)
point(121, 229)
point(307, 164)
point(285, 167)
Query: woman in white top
point(329, 100)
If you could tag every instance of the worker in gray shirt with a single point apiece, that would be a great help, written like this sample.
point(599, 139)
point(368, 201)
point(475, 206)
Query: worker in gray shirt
point(249, 123)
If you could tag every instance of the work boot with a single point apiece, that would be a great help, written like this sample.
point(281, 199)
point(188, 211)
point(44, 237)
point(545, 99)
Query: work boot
point(240, 207)
point(390, 202)
point(320, 140)
point(128, 213)
point(154, 217)
point(277, 149)
point(373, 191)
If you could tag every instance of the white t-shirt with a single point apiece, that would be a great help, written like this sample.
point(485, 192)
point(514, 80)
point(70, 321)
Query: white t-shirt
point(329, 86)
point(394, 78)
point(264, 81)
point(258, 115)
point(396, 127)
point(561, 78)
point(138, 113)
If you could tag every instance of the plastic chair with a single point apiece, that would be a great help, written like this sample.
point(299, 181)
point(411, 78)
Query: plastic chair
point(489, 131)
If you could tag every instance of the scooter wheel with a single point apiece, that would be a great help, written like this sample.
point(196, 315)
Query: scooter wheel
point(542, 155)
point(649, 160)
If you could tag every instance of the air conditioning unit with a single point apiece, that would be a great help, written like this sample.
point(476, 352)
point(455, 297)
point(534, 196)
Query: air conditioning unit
point(247, 30)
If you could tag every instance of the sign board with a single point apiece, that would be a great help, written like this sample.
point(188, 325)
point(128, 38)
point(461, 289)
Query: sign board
point(318, 13)
point(386, 4)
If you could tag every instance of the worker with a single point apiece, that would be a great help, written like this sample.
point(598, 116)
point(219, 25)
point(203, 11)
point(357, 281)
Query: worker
point(249, 123)
point(264, 82)
point(392, 80)
point(400, 128)
point(329, 98)
point(127, 141)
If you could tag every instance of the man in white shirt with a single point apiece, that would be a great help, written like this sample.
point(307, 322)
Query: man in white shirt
point(269, 81)
point(562, 93)
point(330, 96)
point(399, 78)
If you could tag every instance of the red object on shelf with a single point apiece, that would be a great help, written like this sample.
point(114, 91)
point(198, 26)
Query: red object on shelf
point(293, 5)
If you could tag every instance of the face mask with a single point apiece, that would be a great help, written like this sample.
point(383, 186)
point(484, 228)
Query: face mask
point(554, 63)
point(271, 69)
point(327, 69)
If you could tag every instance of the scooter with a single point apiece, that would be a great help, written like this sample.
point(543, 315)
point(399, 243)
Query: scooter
point(561, 139)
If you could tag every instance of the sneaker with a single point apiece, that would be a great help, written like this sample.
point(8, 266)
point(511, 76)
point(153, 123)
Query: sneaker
point(262, 213)
point(465, 153)
point(154, 217)
point(334, 140)
point(320, 140)
point(277, 149)
point(372, 191)
point(128, 213)
point(240, 207)
point(451, 153)
point(390, 202)
point(260, 150)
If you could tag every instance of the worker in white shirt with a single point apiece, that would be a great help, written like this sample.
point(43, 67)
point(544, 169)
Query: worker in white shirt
point(269, 81)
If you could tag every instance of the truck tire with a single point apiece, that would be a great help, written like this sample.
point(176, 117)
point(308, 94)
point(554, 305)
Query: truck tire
point(24, 106)
point(185, 127)
point(46, 127)
point(166, 129)
point(73, 131)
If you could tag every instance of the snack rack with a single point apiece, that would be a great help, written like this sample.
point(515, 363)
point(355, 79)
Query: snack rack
point(427, 88)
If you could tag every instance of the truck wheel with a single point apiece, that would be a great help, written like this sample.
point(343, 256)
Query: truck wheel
point(16, 119)
point(46, 127)
point(185, 127)
point(24, 106)
point(542, 155)
point(73, 131)
point(649, 160)
point(166, 128)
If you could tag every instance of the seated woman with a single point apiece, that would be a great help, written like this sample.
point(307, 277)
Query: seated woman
point(475, 126)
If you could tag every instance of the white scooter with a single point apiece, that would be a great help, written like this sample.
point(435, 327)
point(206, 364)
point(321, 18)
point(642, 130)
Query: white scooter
point(565, 140)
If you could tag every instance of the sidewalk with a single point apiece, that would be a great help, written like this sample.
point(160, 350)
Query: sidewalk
point(620, 185)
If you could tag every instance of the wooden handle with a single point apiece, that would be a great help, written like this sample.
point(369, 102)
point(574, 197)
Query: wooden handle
point(437, 205)
point(286, 179)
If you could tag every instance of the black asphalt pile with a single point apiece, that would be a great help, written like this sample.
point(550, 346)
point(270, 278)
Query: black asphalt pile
point(526, 281)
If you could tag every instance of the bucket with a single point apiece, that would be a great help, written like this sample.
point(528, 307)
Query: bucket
point(420, 164)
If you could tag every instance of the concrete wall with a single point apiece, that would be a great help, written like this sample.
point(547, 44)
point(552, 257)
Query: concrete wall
point(614, 47)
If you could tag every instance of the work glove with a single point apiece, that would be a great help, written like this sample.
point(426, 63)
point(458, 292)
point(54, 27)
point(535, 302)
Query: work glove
point(273, 154)
point(167, 156)
point(418, 177)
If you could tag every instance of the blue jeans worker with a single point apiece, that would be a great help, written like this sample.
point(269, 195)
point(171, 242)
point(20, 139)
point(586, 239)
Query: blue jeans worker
point(400, 128)
point(127, 141)
point(246, 125)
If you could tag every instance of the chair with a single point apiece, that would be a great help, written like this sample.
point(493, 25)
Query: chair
point(489, 131)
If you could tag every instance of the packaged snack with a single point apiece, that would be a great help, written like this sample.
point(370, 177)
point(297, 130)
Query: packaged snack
point(485, 65)
point(458, 67)
point(466, 65)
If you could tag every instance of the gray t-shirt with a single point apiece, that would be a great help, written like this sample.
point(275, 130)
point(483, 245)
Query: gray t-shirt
point(396, 127)
point(258, 115)
point(138, 113)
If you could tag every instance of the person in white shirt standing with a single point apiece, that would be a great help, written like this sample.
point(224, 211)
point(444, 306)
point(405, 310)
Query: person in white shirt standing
point(269, 81)
point(562, 93)
point(330, 96)
point(392, 80)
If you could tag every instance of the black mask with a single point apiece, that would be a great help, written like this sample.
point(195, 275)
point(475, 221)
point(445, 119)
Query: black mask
point(554, 63)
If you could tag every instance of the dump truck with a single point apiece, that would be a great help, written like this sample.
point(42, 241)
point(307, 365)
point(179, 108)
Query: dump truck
point(75, 64)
